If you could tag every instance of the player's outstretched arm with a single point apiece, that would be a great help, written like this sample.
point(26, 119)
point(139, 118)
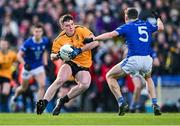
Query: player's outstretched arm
point(90, 45)
point(104, 36)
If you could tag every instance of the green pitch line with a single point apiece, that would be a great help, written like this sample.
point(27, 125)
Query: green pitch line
point(89, 119)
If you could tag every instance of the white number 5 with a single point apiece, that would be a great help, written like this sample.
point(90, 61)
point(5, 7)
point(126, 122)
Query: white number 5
point(141, 31)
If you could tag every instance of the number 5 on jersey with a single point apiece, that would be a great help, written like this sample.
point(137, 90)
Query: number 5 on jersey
point(142, 30)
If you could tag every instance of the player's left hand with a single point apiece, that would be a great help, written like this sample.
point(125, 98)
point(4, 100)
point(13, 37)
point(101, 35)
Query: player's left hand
point(155, 14)
point(75, 52)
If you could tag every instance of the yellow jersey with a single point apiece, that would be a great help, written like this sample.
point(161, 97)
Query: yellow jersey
point(6, 61)
point(76, 40)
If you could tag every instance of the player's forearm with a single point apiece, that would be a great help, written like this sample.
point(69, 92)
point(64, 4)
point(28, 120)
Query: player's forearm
point(160, 25)
point(104, 36)
point(45, 58)
point(20, 59)
point(90, 46)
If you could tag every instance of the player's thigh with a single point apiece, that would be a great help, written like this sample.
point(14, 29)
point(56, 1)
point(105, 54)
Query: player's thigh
point(6, 88)
point(83, 77)
point(137, 82)
point(116, 71)
point(64, 73)
point(25, 83)
point(41, 78)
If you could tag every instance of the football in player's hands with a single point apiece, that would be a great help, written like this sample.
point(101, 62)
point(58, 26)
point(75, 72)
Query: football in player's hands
point(64, 52)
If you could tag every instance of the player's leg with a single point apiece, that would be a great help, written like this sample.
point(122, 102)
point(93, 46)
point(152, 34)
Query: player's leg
point(5, 96)
point(22, 88)
point(152, 93)
point(111, 77)
point(138, 84)
point(41, 80)
point(64, 74)
point(147, 68)
point(83, 79)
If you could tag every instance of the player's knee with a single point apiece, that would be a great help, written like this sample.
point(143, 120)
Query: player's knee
point(42, 86)
point(24, 88)
point(107, 76)
point(60, 81)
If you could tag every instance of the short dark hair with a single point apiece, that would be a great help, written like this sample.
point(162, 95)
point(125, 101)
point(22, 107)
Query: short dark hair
point(38, 25)
point(66, 17)
point(132, 13)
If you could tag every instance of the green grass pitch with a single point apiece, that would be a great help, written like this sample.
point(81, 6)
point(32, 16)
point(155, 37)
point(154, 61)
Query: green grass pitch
point(89, 119)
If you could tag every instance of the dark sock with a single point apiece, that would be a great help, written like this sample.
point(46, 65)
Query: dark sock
point(65, 99)
point(45, 101)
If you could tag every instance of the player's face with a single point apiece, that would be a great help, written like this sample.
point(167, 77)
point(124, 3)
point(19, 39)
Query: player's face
point(125, 16)
point(3, 45)
point(38, 32)
point(69, 27)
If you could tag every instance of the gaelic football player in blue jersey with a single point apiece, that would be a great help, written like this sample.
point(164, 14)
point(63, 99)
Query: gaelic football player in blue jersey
point(33, 55)
point(138, 36)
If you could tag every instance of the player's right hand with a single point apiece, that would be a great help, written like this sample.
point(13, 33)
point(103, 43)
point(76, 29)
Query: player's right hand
point(88, 40)
point(155, 14)
point(59, 55)
point(27, 66)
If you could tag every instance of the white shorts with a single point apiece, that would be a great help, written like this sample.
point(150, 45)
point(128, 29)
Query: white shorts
point(137, 65)
point(28, 74)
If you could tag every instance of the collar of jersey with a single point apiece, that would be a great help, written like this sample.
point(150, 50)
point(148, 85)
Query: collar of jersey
point(34, 41)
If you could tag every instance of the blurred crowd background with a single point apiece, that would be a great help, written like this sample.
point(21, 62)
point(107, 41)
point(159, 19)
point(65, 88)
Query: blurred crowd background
point(18, 16)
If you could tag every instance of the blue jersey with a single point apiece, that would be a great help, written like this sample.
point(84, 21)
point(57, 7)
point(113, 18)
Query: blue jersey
point(138, 35)
point(33, 51)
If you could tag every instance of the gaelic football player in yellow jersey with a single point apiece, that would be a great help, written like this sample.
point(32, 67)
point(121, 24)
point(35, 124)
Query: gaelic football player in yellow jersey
point(7, 58)
point(78, 67)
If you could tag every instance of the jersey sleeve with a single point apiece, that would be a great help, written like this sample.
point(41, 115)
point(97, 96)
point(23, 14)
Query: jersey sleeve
point(56, 45)
point(153, 54)
point(24, 46)
point(86, 32)
point(48, 44)
point(14, 57)
point(121, 30)
point(152, 27)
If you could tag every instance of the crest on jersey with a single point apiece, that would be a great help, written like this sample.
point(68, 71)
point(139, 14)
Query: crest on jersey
point(77, 37)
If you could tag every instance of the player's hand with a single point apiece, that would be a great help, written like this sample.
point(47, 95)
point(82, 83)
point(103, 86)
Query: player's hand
point(59, 55)
point(88, 40)
point(27, 67)
point(75, 52)
point(155, 14)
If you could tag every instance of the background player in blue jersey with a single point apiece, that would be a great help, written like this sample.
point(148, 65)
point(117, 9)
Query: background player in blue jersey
point(138, 35)
point(34, 57)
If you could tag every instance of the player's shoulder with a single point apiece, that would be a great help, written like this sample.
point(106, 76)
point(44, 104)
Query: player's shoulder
point(12, 53)
point(80, 28)
point(60, 35)
point(45, 39)
point(28, 41)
